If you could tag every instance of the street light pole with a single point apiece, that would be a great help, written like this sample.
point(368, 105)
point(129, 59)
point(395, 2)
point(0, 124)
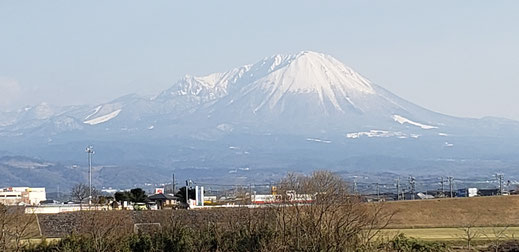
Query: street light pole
point(188, 183)
point(90, 151)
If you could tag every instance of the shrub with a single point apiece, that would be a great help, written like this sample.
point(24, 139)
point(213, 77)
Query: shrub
point(401, 243)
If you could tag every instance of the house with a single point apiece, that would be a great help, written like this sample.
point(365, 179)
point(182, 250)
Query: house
point(165, 200)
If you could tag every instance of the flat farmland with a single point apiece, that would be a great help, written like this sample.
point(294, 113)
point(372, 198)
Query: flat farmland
point(455, 234)
point(455, 212)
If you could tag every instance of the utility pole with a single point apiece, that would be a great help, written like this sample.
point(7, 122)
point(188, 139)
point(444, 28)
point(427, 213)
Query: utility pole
point(90, 152)
point(58, 194)
point(398, 188)
point(500, 176)
point(187, 192)
point(355, 185)
point(173, 183)
point(378, 190)
point(412, 184)
point(442, 182)
point(250, 193)
point(451, 188)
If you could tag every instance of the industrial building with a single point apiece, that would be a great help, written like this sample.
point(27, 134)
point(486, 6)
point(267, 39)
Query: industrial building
point(22, 195)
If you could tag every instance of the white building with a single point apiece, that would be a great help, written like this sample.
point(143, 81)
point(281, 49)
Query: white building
point(22, 195)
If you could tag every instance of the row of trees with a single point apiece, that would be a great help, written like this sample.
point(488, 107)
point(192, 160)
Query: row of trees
point(81, 193)
point(136, 195)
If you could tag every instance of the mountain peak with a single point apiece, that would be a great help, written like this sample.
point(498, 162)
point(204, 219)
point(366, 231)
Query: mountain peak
point(320, 77)
point(309, 71)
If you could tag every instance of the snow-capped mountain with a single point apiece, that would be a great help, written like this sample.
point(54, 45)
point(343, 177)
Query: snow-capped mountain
point(289, 102)
point(303, 93)
point(306, 89)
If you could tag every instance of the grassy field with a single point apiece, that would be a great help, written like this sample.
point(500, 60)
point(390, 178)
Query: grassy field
point(455, 212)
point(453, 234)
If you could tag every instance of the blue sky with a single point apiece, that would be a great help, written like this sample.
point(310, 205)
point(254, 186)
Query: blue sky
point(454, 57)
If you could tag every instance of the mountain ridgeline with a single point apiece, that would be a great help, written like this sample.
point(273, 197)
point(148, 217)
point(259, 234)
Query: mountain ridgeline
point(286, 112)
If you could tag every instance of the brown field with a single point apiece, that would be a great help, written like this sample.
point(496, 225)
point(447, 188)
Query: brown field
point(455, 234)
point(456, 212)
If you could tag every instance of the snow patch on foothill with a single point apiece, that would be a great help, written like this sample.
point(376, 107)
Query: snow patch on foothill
point(380, 133)
point(402, 120)
point(318, 140)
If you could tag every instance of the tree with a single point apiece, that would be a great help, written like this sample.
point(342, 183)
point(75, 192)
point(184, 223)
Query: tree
point(497, 237)
point(134, 195)
point(470, 232)
point(138, 195)
point(104, 230)
point(322, 215)
point(15, 226)
point(181, 194)
point(122, 196)
point(80, 192)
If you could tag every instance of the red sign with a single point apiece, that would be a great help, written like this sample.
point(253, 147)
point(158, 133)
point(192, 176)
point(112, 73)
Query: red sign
point(159, 190)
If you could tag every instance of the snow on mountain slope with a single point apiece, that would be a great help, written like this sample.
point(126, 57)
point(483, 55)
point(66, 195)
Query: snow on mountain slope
point(303, 73)
point(312, 90)
point(95, 112)
point(310, 72)
point(104, 118)
point(403, 120)
point(198, 90)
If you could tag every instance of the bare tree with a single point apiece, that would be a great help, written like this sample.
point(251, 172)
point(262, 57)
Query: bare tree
point(81, 191)
point(97, 197)
point(15, 226)
point(497, 237)
point(470, 232)
point(322, 215)
point(105, 229)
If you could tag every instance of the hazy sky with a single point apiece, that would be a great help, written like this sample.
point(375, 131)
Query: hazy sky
point(455, 57)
